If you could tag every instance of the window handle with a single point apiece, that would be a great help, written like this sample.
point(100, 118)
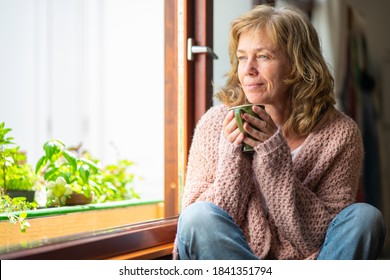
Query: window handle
point(191, 50)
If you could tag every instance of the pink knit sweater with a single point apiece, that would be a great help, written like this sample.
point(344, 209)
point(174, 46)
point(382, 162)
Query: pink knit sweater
point(283, 205)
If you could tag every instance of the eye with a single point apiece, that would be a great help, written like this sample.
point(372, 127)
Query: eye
point(262, 57)
point(241, 58)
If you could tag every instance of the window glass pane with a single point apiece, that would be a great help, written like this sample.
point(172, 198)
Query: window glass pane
point(87, 72)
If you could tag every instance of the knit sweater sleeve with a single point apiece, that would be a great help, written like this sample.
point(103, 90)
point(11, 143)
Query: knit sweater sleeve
point(302, 205)
point(217, 170)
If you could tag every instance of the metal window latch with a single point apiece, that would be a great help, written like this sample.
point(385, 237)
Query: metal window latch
point(191, 50)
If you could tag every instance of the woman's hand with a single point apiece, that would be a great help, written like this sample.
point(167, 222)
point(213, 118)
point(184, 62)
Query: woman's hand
point(259, 129)
point(230, 129)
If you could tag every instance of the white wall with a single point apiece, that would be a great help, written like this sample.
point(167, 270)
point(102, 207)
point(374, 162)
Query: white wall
point(84, 71)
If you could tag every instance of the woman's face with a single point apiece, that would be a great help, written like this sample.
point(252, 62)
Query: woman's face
point(262, 67)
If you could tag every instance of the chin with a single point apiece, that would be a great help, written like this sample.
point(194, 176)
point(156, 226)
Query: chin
point(255, 100)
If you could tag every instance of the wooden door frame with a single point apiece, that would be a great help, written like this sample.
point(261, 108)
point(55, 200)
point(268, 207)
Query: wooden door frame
point(171, 155)
point(202, 32)
point(188, 87)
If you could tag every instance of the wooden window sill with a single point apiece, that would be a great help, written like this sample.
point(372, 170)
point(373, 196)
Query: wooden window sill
point(146, 240)
point(62, 221)
point(157, 252)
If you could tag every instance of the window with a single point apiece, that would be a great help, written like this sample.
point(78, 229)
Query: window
point(90, 73)
point(87, 72)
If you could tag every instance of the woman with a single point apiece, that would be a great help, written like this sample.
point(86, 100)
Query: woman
point(293, 198)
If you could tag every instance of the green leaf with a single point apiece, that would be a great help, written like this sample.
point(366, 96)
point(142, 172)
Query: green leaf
point(53, 147)
point(68, 178)
point(5, 131)
point(91, 164)
point(50, 148)
point(50, 174)
point(41, 161)
point(24, 225)
point(23, 215)
point(84, 173)
point(9, 140)
point(97, 189)
point(71, 159)
point(9, 161)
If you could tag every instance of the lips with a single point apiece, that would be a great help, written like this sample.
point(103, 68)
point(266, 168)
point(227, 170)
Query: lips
point(253, 86)
point(253, 82)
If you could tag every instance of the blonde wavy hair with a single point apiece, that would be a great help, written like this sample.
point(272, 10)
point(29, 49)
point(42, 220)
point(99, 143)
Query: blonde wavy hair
point(311, 83)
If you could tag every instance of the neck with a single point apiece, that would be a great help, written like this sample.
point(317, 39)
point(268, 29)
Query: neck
point(278, 114)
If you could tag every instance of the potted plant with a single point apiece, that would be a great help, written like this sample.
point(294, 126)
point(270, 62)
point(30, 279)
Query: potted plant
point(113, 182)
point(18, 176)
point(15, 175)
point(68, 176)
point(74, 177)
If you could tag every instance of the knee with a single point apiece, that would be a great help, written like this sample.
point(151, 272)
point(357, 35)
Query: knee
point(197, 216)
point(366, 217)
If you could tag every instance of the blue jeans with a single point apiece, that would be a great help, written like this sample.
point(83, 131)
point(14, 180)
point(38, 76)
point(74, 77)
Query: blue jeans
point(207, 232)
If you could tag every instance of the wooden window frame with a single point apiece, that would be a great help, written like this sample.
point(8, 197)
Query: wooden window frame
point(188, 95)
point(171, 155)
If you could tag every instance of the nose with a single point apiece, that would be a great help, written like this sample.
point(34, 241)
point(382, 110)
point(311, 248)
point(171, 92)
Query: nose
point(251, 67)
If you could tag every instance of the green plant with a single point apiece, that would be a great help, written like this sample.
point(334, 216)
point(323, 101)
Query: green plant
point(14, 174)
point(68, 170)
point(117, 181)
point(19, 175)
point(16, 208)
point(5, 159)
point(61, 162)
point(61, 171)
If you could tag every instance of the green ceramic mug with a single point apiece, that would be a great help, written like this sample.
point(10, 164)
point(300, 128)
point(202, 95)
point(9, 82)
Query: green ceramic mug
point(238, 112)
